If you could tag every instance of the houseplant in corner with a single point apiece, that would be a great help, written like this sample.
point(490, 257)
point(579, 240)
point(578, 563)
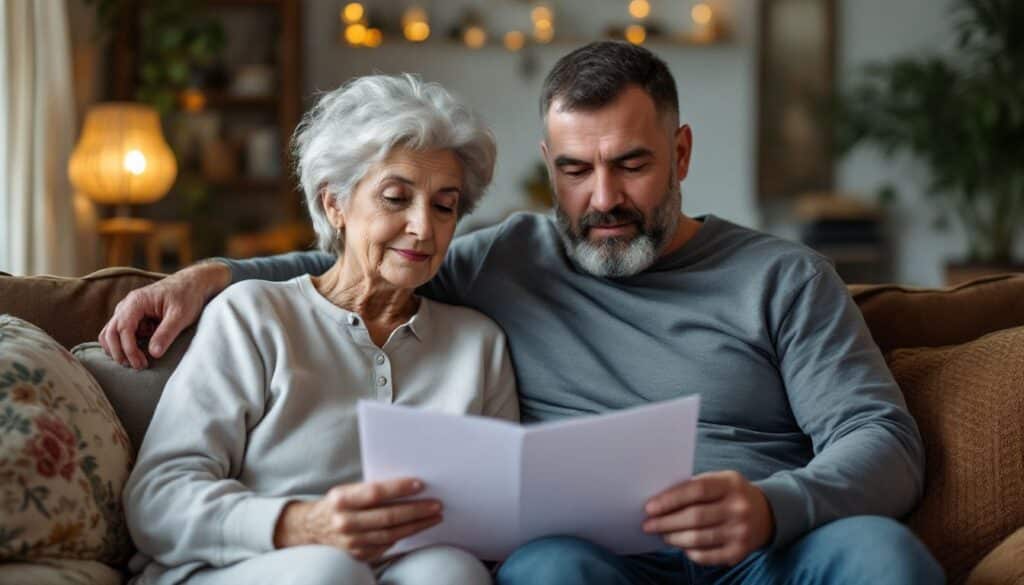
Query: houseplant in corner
point(962, 114)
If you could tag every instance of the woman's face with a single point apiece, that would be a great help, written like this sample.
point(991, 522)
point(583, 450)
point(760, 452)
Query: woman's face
point(401, 216)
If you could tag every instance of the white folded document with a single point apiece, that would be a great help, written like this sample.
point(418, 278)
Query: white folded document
point(503, 485)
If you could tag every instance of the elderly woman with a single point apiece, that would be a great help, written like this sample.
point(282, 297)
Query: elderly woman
point(250, 471)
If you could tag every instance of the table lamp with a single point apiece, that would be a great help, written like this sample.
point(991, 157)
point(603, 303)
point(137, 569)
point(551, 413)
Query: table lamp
point(121, 159)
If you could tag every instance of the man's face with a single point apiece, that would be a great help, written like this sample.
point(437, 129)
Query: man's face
point(616, 173)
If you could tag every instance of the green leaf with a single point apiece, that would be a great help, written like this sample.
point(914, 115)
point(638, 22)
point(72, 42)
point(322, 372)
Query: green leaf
point(171, 38)
point(177, 72)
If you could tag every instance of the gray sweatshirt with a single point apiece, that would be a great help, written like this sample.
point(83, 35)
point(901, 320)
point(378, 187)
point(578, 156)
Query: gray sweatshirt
point(795, 394)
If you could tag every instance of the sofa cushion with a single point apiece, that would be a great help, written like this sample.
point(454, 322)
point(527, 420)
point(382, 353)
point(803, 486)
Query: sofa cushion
point(64, 457)
point(133, 393)
point(968, 401)
point(85, 304)
point(901, 316)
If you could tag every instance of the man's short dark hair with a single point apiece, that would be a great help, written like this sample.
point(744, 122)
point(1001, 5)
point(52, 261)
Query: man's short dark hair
point(592, 76)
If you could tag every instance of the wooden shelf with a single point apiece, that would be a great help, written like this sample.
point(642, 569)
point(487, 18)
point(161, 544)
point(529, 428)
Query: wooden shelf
point(495, 42)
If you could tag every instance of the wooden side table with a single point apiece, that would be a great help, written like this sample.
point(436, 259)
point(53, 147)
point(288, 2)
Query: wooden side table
point(122, 234)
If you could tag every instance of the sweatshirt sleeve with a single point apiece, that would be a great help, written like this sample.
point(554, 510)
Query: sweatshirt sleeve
point(280, 267)
point(183, 500)
point(868, 453)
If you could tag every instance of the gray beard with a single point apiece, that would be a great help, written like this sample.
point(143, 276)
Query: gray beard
point(621, 257)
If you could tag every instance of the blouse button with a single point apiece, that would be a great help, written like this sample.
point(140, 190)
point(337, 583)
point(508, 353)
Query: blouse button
point(382, 381)
point(380, 359)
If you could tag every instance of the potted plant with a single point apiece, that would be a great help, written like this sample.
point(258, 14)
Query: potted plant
point(963, 116)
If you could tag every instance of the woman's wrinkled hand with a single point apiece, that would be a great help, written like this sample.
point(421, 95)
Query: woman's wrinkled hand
point(362, 519)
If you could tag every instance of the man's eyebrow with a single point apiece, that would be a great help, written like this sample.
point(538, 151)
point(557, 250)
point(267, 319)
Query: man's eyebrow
point(638, 152)
point(566, 161)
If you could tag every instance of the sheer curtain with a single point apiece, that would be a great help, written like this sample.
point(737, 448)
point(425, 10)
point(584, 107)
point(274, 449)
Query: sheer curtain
point(37, 128)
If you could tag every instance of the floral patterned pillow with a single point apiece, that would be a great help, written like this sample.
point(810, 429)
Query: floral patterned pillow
point(64, 456)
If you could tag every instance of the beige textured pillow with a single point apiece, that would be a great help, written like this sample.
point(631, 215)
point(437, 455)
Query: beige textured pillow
point(968, 401)
point(64, 456)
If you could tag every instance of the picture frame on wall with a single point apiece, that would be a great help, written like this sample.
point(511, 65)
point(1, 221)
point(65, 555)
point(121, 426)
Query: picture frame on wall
point(796, 84)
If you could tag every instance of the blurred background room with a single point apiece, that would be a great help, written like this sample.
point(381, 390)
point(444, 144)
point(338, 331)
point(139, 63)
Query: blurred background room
point(887, 134)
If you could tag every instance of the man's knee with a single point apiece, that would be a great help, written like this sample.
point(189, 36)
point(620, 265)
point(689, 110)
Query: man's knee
point(560, 560)
point(437, 564)
point(323, 565)
point(877, 550)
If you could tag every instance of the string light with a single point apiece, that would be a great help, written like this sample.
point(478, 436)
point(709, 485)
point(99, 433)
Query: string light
point(374, 38)
point(414, 25)
point(636, 34)
point(417, 32)
point(543, 31)
point(701, 14)
point(541, 12)
point(514, 40)
point(353, 13)
point(474, 37)
point(639, 9)
point(355, 34)
point(413, 14)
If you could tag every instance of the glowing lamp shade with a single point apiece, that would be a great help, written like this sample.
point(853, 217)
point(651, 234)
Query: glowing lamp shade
point(121, 157)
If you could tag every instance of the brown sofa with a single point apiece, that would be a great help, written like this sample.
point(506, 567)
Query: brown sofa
point(958, 355)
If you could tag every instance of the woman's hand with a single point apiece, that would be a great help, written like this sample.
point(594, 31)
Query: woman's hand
point(359, 518)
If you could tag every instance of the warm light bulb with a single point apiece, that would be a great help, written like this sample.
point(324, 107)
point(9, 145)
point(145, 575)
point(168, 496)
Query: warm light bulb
point(355, 34)
point(417, 31)
point(514, 40)
point(542, 13)
point(639, 9)
point(413, 14)
point(544, 34)
point(374, 37)
point(474, 37)
point(135, 162)
point(353, 12)
point(636, 34)
point(701, 14)
point(192, 100)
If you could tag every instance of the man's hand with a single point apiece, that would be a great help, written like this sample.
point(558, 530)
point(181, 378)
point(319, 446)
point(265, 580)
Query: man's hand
point(174, 303)
point(715, 518)
point(361, 518)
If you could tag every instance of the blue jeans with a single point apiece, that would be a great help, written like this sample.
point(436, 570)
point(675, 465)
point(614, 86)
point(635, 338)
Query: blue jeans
point(863, 549)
